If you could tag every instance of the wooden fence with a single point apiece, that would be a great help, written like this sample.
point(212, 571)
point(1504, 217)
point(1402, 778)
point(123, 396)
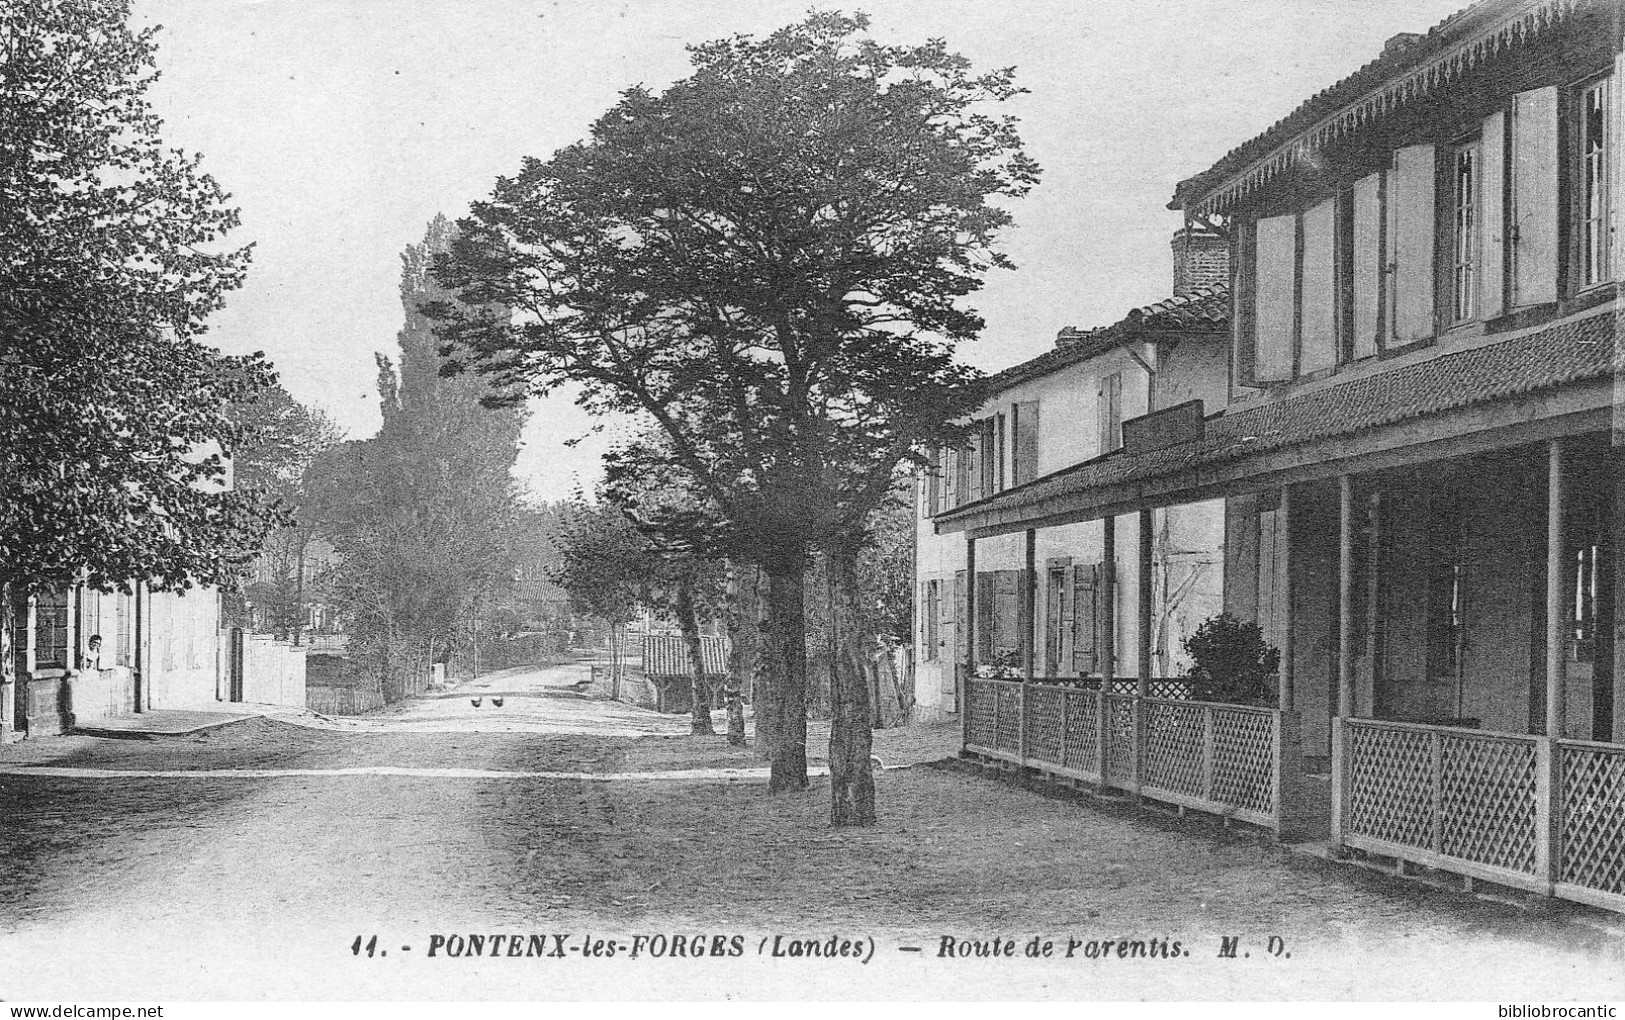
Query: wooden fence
point(343, 700)
point(1530, 812)
point(1233, 760)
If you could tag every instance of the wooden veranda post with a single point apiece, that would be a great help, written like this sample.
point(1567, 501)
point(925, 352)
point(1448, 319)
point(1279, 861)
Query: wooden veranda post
point(1026, 620)
point(1029, 614)
point(1345, 597)
point(1108, 608)
point(1556, 616)
point(1345, 647)
point(969, 665)
point(1283, 530)
point(1548, 791)
point(1143, 634)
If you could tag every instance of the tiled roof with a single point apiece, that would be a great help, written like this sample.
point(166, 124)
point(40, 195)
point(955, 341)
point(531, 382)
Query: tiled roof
point(1405, 54)
point(1566, 352)
point(667, 655)
point(1203, 310)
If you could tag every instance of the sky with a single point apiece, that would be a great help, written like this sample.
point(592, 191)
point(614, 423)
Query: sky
point(341, 127)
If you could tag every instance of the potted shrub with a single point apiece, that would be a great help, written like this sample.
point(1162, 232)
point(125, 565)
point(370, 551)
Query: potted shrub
point(1231, 662)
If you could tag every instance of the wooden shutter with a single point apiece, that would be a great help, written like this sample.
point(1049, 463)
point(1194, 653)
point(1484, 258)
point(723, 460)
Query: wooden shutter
point(1318, 337)
point(933, 483)
point(1067, 624)
point(1109, 412)
point(1367, 264)
point(1274, 298)
point(944, 626)
point(1534, 197)
point(990, 457)
point(1412, 242)
point(961, 619)
point(973, 468)
point(1001, 473)
point(1025, 425)
point(1085, 618)
point(984, 617)
point(1492, 218)
point(1243, 271)
point(1007, 612)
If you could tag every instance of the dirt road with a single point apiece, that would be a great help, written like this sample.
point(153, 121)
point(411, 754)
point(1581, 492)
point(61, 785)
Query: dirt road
point(121, 884)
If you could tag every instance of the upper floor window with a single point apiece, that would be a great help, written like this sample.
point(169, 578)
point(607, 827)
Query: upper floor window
point(1023, 442)
point(1109, 412)
point(1596, 221)
point(1464, 182)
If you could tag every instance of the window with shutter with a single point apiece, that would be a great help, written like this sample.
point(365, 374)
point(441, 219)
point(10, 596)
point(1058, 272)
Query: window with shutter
point(1059, 622)
point(930, 626)
point(1595, 233)
point(1466, 172)
point(1274, 301)
point(945, 619)
point(1534, 197)
point(1492, 219)
point(1024, 424)
point(1366, 265)
point(1411, 244)
point(1317, 343)
point(1085, 619)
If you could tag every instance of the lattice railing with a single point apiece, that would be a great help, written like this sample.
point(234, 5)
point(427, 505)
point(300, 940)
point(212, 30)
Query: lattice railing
point(980, 708)
point(1458, 799)
point(1244, 766)
point(1082, 747)
point(1167, 688)
point(1592, 780)
point(1486, 799)
point(1118, 731)
point(1046, 724)
point(1173, 753)
point(1214, 757)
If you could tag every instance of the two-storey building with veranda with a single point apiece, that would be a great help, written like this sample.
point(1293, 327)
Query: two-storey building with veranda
point(1048, 602)
point(1425, 499)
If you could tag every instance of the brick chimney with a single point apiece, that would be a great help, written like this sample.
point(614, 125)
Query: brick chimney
point(1201, 259)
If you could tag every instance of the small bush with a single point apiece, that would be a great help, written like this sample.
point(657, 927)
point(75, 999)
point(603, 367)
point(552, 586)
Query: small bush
point(1232, 663)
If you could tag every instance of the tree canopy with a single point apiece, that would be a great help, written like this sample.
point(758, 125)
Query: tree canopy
point(767, 261)
point(113, 413)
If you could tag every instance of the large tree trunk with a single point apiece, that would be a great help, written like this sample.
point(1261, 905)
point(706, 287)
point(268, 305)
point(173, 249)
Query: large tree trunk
point(851, 732)
point(690, 624)
point(784, 657)
point(764, 679)
point(741, 604)
point(614, 664)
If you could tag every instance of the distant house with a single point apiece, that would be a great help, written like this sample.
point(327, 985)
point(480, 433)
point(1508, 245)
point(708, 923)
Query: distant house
point(1002, 590)
point(158, 650)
